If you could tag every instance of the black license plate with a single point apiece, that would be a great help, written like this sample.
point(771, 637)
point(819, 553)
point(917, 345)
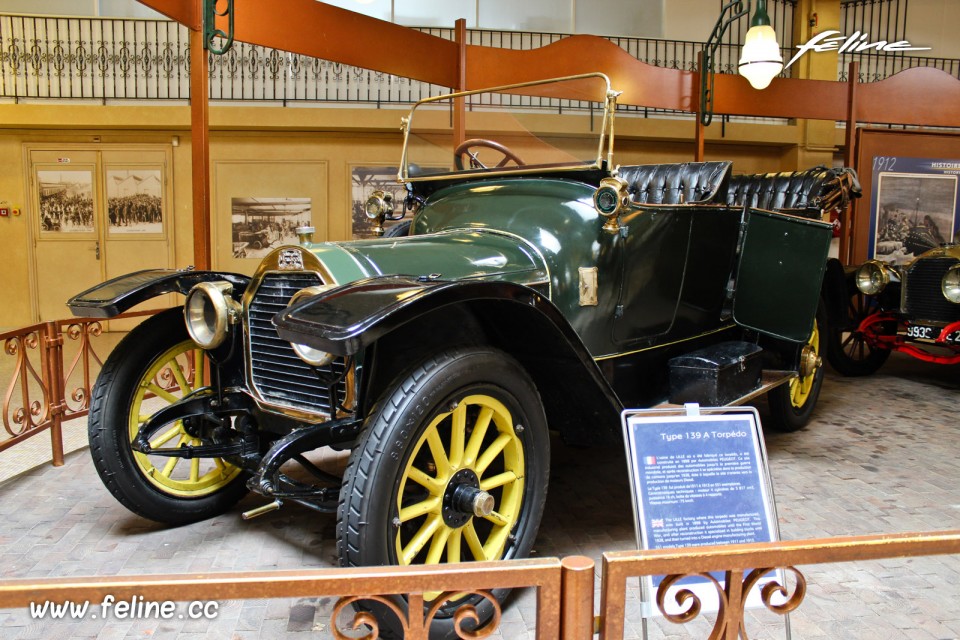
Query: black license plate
point(929, 333)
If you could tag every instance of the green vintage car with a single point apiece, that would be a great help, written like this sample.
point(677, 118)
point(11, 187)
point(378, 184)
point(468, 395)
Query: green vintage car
point(537, 287)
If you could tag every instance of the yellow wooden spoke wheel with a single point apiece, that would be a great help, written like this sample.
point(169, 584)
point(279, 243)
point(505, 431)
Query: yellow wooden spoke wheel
point(452, 466)
point(792, 404)
point(177, 372)
point(154, 366)
point(462, 489)
point(810, 363)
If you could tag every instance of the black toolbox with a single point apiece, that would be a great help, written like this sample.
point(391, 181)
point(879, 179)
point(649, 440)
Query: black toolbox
point(716, 375)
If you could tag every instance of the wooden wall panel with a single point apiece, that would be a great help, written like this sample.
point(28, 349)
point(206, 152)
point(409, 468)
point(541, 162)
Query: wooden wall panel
point(921, 96)
point(642, 84)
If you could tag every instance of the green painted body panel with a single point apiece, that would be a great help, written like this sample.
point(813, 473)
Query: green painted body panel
point(781, 268)
point(449, 255)
point(558, 218)
point(662, 280)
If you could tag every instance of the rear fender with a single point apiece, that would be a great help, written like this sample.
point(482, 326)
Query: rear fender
point(838, 285)
point(115, 296)
point(397, 315)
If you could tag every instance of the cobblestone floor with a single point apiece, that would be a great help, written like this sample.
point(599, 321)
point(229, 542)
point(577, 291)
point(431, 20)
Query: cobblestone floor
point(879, 457)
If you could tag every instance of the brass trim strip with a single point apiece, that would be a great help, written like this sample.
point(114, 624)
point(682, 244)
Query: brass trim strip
point(666, 344)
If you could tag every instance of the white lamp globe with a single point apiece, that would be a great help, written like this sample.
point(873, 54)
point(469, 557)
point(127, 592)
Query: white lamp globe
point(760, 61)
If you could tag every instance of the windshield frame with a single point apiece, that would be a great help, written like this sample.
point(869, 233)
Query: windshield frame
point(604, 147)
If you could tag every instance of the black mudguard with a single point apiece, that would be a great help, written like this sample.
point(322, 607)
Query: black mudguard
point(115, 296)
point(514, 318)
point(838, 285)
point(347, 319)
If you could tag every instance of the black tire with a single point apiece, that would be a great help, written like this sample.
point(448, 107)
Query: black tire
point(398, 230)
point(379, 488)
point(792, 404)
point(847, 350)
point(159, 353)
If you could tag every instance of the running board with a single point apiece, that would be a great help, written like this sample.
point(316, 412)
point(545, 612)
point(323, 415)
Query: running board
point(769, 379)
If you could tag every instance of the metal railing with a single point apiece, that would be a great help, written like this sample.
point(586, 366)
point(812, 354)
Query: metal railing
point(565, 593)
point(106, 59)
point(44, 391)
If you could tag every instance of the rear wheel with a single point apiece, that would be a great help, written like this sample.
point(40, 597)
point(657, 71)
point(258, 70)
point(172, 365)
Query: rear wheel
point(847, 349)
point(792, 404)
point(154, 366)
point(452, 467)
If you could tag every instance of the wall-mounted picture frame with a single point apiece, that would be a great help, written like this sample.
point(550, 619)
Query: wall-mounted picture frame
point(914, 209)
point(259, 225)
point(134, 200)
point(887, 151)
point(66, 201)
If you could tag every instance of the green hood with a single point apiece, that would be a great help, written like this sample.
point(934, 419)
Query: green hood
point(457, 254)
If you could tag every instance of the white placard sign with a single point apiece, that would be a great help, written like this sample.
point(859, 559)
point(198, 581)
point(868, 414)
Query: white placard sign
point(698, 477)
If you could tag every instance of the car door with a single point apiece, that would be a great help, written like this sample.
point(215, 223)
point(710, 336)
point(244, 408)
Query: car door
point(656, 240)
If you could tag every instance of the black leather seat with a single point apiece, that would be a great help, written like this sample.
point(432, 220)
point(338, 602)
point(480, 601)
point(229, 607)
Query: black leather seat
point(803, 192)
point(680, 183)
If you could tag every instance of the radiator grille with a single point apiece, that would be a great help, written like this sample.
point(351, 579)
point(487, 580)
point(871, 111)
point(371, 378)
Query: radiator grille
point(923, 297)
point(278, 375)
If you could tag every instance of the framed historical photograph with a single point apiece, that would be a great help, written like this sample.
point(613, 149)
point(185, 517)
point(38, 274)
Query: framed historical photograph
point(66, 200)
point(903, 159)
point(365, 180)
point(913, 212)
point(134, 200)
point(259, 225)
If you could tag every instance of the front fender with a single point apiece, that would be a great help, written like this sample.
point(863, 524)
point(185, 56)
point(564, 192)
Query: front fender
point(402, 313)
point(115, 296)
point(347, 319)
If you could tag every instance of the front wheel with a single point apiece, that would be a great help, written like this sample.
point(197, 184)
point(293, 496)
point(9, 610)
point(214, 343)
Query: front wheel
point(848, 351)
point(154, 366)
point(452, 467)
point(792, 404)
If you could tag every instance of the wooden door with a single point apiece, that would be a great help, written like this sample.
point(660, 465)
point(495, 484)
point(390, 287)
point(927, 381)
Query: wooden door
point(98, 213)
point(68, 228)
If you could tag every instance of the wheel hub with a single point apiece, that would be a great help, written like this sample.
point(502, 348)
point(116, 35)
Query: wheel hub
point(463, 499)
point(810, 361)
point(191, 425)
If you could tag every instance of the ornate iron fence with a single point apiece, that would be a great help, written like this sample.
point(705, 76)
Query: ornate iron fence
point(742, 565)
point(42, 392)
point(565, 596)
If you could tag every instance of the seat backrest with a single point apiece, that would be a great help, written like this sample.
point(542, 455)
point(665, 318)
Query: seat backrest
point(679, 183)
point(805, 192)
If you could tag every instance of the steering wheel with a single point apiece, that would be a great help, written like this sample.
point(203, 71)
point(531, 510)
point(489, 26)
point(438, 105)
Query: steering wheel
point(464, 150)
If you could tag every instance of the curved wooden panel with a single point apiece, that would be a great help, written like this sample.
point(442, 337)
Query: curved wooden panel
point(323, 31)
point(918, 96)
point(642, 84)
point(784, 98)
point(186, 12)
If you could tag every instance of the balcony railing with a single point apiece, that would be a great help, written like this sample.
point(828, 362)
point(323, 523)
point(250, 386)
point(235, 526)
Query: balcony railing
point(103, 59)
